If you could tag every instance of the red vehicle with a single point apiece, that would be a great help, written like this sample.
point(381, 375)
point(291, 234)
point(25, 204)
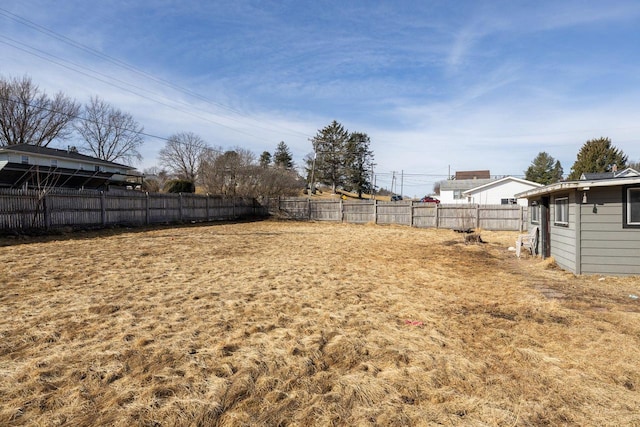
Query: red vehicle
point(429, 199)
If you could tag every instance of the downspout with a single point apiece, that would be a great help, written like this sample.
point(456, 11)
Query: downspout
point(578, 237)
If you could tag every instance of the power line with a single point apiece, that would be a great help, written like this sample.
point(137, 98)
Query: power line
point(159, 102)
point(135, 70)
point(79, 117)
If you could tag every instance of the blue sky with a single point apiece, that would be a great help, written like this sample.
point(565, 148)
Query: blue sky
point(439, 86)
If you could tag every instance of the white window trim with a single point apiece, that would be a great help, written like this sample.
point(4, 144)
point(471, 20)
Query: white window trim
point(535, 219)
point(628, 207)
point(559, 221)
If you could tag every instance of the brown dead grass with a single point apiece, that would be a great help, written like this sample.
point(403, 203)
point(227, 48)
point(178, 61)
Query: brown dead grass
point(284, 323)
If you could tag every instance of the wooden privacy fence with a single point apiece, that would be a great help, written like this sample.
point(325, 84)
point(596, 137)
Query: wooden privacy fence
point(31, 209)
point(414, 214)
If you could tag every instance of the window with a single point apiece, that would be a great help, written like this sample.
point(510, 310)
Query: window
point(97, 168)
point(25, 160)
point(508, 201)
point(632, 207)
point(562, 211)
point(457, 194)
point(54, 163)
point(535, 213)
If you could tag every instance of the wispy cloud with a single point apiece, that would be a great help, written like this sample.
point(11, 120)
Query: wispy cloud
point(434, 84)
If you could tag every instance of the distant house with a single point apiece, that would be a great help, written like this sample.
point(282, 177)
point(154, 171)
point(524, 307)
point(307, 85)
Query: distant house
point(30, 166)
point(452, 190)
point(478, 187)
point(482, 174)
point(589, 226)
point(628, 172)
point(500, 192)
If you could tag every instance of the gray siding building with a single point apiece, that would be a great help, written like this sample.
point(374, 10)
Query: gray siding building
point(589, 226)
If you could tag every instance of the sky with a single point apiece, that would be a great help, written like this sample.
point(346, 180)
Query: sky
point(439, 86)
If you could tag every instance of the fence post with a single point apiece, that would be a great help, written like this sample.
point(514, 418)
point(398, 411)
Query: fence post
point(341, 210)
point(207, 205)
point(180, 206)
point(477, 216)
point(309, 208)
point(437, 221)
point(375, 211)
point(47, 212)
point(411, 214)
point(103, 208)
point(147, 215)
point(521, 218)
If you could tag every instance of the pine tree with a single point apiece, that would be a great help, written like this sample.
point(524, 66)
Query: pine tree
point(597, 156)
point(544, 169)
point(329, 148)
point(358, 163)
point(265, 159)
point(282, 157)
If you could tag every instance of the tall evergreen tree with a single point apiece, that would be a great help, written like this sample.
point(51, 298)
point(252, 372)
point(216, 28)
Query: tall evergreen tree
point(358, 162)
point(265, 159)
point(544, 169)
point(597, 155)
point(329, 147)
point(282, 157)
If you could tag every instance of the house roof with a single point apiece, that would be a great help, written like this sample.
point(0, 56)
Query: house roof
point(609, 175)
point(463, 184)
point(58, 153)
point(482, 174)
point(578, 185)
point(500, 182)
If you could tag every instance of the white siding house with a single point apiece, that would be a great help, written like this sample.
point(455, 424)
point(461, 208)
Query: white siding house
point(452, 191)
point(25, 165)
point(500, 192)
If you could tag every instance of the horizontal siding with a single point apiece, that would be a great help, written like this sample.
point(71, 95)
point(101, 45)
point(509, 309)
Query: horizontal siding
point(610, 270)
point(563, 239)
point(606, 247)
point(625, 241)
point(611, 252)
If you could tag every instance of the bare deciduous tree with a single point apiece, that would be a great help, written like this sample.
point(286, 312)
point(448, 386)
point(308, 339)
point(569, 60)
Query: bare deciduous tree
point(183, 154)
point(237, 173)
point(30, 116)
point(229, 173)
point(108, 133)
point(155, 179)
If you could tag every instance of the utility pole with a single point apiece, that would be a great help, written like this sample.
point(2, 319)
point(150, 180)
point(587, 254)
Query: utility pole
point(373, 183)
point(393, 182)
point(402, 183)
point(313, 170)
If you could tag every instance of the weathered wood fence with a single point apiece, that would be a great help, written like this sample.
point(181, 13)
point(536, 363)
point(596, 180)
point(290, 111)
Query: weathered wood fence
point(414, 214)
point(30, 209)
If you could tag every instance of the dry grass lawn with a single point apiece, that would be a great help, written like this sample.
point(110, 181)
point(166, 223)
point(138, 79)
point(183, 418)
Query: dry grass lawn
point(300, 324)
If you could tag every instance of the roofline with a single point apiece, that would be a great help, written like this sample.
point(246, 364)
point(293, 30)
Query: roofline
point(58, 156)
point(506, 178)
point(578, 185)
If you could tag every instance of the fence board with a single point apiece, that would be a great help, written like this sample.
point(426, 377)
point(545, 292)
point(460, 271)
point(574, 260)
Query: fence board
point(416, 214)
point(30, 209)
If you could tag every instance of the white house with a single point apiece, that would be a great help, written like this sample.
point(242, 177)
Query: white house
point(452, 191)
point(26, 165)
point(500, 192)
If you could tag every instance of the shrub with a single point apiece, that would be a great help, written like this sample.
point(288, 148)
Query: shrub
point(180, 186)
